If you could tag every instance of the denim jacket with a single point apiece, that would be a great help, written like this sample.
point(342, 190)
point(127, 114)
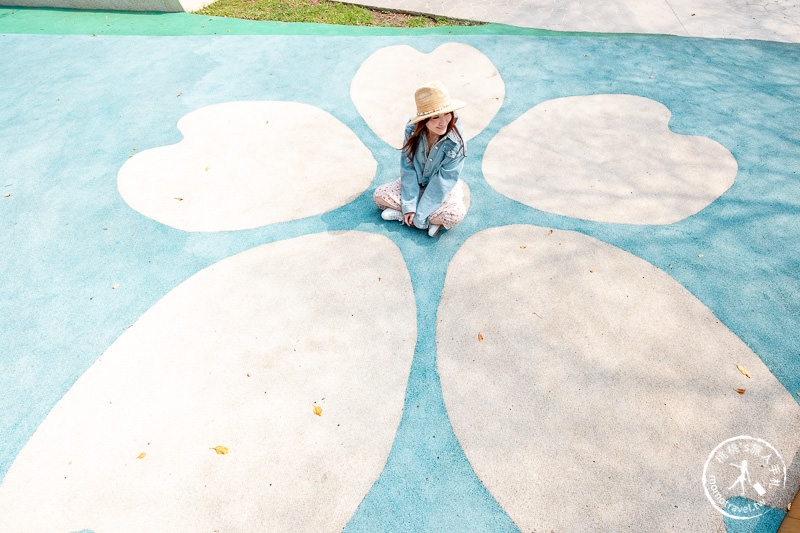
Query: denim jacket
point(426, 182)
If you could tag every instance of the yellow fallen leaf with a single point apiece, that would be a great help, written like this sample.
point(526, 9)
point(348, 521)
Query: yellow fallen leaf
point(522, 246)
point(480, 337)
point(115, 286)
point(743, 370)
point(6, 196)
point(207, 168)
point(789, 506)
point(221, 450)
point(318, 410)
point(141, 455)
point(178, 198)
point(699, 255)
point(740, 391)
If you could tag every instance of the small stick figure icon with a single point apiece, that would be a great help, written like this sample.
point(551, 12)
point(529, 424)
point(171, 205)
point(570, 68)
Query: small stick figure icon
point(744, 475)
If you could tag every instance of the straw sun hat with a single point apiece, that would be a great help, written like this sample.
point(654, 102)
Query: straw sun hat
point(433, 99)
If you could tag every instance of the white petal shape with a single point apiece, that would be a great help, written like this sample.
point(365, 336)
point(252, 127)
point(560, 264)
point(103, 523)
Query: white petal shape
point(383, 88)
point(600, 386)
point(607, 158)
point(247, 164)
point(235, 356)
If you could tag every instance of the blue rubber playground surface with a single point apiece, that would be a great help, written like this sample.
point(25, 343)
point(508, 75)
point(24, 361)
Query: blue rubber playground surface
point(85, 97)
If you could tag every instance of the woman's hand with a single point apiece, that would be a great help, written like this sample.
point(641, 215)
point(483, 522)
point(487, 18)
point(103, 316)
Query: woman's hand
point(408, 219)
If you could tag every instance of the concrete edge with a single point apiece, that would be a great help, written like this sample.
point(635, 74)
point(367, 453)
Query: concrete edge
point(167, 6)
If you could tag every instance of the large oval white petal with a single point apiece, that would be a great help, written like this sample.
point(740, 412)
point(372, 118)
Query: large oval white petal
point(247, 164)
point(600, 386)
point(236, 356)
point(608, 158)
point(383, 88)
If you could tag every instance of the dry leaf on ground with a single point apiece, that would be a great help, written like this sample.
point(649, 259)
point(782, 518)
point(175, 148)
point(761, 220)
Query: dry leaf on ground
point(318, 410)
point(480, 337)
point(743, 370)
point(141, 455)
point(221, 450)
point(740, 391)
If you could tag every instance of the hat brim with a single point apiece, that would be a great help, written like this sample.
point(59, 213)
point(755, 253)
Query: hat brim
point(455, 105)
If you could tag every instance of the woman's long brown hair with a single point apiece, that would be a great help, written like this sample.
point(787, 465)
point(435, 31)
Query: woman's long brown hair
point(412, 143)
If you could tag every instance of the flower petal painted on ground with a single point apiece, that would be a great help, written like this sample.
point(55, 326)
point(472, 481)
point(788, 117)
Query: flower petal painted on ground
point(247, 164)
point(611, 386)
point(235, 355)
point(383, 88)
point(607, 158)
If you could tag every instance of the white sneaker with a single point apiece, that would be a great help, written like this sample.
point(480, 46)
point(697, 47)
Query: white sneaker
point(433, 229)
point(391, 214)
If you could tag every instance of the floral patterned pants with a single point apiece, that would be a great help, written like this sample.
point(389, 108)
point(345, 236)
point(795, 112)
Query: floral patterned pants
point(451, 212)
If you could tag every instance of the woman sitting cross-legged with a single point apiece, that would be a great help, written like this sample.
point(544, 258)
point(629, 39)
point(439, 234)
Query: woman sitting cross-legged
point(429, 193)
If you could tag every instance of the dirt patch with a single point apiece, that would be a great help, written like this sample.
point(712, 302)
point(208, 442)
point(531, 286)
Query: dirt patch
point(389, 18)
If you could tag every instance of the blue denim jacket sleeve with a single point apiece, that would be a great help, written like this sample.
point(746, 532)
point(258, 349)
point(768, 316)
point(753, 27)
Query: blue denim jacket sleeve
point(409, 184)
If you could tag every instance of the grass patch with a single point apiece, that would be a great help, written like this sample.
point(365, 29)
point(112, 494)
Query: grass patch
point(325, 12)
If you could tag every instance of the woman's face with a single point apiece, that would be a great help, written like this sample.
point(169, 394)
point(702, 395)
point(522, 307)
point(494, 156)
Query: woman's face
point(438, 124)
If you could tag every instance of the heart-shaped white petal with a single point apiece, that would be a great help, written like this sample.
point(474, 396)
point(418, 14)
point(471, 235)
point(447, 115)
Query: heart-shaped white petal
point(608, 158)
point(247, 164)
point(236, 356)
point(597, 378)
point(383, 88)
